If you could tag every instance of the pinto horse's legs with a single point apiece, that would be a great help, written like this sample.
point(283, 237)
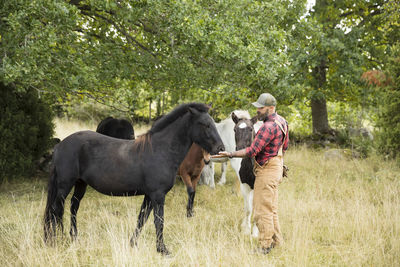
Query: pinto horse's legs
point(158, 203)
point(145, 210)
point(222, 181)
point(79, 192)
point(248, 206)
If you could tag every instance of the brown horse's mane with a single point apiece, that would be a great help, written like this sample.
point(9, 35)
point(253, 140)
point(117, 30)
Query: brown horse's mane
point(143, 142)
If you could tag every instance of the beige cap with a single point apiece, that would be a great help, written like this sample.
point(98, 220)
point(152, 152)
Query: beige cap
point(265, 100)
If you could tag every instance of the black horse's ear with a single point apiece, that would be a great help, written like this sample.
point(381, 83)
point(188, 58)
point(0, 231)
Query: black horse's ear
point(234, 118)
point(193, 111)
point(254, 119)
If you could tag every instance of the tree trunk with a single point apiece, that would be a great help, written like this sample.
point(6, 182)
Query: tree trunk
point(319, 114)
point(319, 111)
point(158, 112)
point(163, 103)
point(150, 110)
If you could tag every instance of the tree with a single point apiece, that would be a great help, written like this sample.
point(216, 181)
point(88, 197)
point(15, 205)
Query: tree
point(336, 50)
point(96, 46)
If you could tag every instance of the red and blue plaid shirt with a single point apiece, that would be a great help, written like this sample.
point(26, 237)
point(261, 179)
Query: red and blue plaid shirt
point(269, 139)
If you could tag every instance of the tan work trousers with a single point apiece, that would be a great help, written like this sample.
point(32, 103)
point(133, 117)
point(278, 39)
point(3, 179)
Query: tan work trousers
point(265, 201)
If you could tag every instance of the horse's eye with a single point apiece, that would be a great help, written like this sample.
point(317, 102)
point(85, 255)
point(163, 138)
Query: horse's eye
point(207, 126)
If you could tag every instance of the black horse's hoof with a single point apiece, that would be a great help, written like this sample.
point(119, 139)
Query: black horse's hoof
point(163, 250)
point(133, 242)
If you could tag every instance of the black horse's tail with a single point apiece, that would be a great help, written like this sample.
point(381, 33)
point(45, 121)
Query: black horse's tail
point(50, 215)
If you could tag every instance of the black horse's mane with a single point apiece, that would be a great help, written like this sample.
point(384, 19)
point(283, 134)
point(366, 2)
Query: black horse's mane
point(175, 114)
point(143, 141)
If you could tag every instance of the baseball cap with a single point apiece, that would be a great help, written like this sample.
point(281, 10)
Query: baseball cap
point(265, 100)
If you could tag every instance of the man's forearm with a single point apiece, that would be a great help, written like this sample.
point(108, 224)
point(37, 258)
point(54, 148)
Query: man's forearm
point(238, 154)
point(235, 154)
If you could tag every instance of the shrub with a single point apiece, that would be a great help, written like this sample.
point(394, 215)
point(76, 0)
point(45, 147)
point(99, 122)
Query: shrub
point(25, 131)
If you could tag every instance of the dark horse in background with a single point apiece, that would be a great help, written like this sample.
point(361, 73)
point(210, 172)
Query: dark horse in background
point(190, 170)
point(116, 167)
point(118, 128)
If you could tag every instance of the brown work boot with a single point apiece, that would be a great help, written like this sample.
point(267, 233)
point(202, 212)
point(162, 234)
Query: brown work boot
point(264, 251)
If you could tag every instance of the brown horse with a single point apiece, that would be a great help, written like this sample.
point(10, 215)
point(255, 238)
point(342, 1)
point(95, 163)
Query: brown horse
point(190, 170)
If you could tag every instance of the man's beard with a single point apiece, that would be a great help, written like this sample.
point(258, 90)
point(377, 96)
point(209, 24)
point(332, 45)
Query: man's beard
point(262, 117)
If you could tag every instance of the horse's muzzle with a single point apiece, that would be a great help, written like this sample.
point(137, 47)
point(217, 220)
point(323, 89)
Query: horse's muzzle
point(221, 148)
point(206, 161)
point(216, 149)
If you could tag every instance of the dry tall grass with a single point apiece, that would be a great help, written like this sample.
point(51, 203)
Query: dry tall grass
point(333, 213)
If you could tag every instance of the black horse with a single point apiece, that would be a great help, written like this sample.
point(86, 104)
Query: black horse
point(118, 167)
point(118, 128)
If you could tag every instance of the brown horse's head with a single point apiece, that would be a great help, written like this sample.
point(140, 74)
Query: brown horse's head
point(206, 157)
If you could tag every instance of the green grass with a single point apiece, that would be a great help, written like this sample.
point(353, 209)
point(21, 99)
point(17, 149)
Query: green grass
point(332, 213)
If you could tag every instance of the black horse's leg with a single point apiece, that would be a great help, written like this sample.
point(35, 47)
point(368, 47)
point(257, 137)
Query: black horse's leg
point(145, 210)
point(58, 209)
point(159, 223)
point(191, 193)
point(79, 192)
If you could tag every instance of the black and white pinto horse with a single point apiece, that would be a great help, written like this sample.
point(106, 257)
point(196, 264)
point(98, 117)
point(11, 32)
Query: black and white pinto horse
point(119, 167)
point(237, 132)
point(118, 128)
point(245, 130)
point(225, 129)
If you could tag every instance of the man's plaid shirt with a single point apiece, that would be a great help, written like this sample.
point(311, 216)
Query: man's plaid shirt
point(269, 139)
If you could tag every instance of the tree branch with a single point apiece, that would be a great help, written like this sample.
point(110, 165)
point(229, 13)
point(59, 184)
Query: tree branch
point(360, 11)
point(100, 101)
point(85, 10)
point(130, 38)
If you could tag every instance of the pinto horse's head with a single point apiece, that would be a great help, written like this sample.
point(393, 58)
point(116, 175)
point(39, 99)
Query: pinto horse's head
point(244, 131)
point(203, 131)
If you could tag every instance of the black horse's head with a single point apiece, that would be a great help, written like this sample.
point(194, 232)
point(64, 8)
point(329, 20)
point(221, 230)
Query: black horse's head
point(244, 131)
point(203, 131)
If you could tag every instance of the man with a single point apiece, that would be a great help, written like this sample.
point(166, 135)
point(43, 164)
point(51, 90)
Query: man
point(267, 148)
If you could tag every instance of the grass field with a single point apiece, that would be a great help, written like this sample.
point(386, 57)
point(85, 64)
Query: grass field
point(333, 213)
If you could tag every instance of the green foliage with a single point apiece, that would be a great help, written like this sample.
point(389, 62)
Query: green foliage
point(182, 48)
point(132, 56)
point(25, 131)
point(39, 45)
point(299, 118)
point(360, 145)
point(388, 121)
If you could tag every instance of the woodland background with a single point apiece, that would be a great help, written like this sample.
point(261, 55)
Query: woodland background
point(334, 67)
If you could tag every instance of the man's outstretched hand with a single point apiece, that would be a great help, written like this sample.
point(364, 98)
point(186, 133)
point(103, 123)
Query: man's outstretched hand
point(221, 154)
